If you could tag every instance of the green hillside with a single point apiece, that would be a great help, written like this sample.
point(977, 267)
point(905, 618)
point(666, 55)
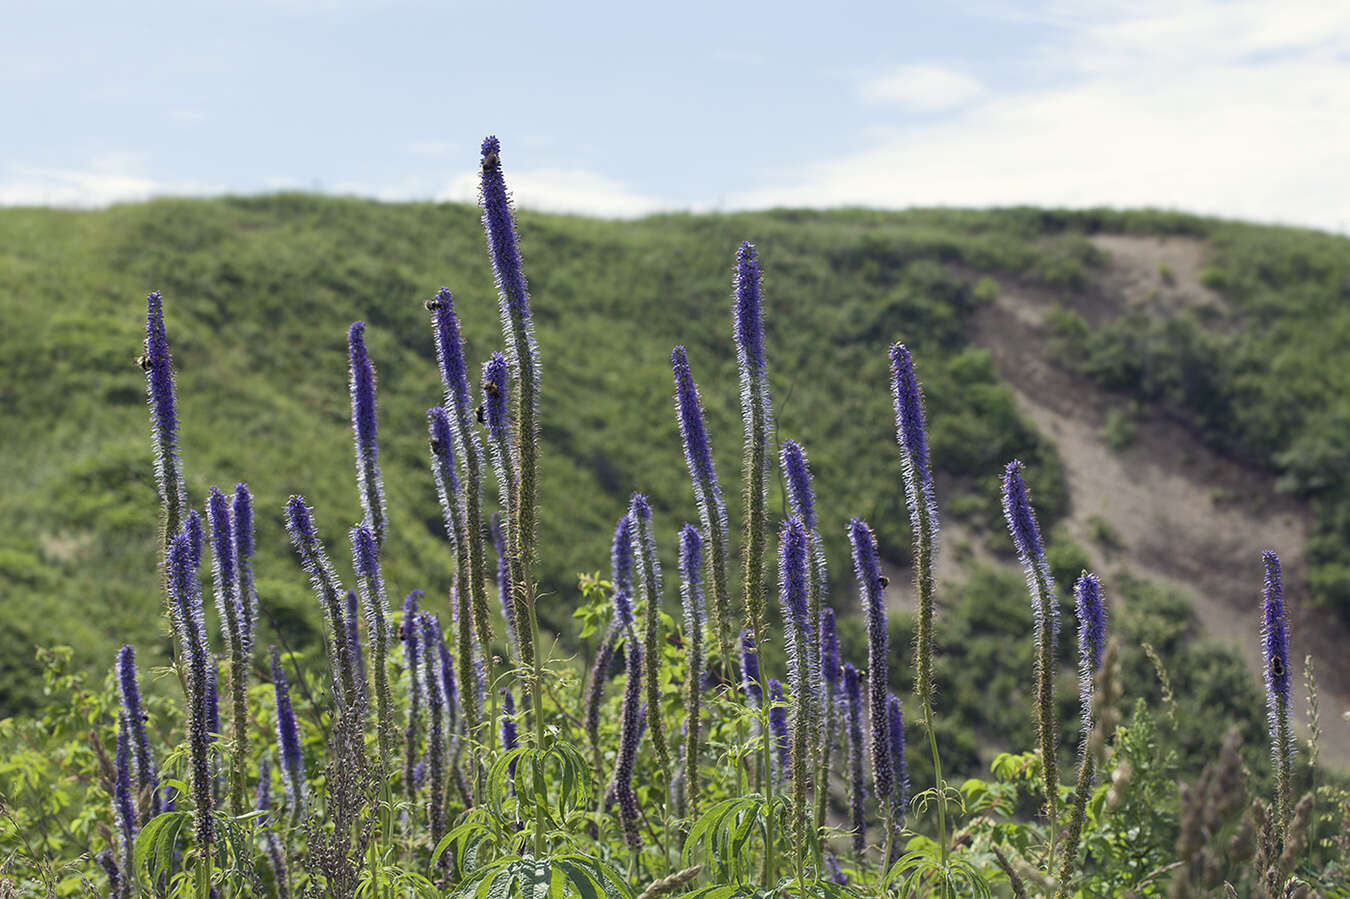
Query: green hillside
point(259, 292)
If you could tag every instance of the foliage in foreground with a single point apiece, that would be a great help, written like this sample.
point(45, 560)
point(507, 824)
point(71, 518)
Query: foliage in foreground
point(415, 757)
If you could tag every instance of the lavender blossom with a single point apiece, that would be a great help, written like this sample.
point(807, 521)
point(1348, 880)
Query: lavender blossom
point(241, 512)
point(836, 875)
point(830, 674)
point(750, 675)
point(830, 669)
point(449, 689)
point(233, 624)
point(493, 413)
point(128, 685)
point(748, 312)
point(803, 670)
point(868, 571)
point(630, 734)
point(1275, 653)
point(778, 729)
point(194, 533)
point(361, 381)
point(623, 610)
point(649, 569)
point(450, 352)
point(910, 429)
point(288, 737)
point(853, 713)
point(1026, 536)
point(159, 386)
point(712, 508)
point(499, 225)
point(370, 583)
point(352, 628)
point(595, 686)
point(124, 806)
point(1091, 640)
point(305, 539)
point(118, 888)
point(895, 722)
point(691, 599)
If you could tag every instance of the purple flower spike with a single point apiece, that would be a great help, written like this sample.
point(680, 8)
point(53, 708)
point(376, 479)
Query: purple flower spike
point(365, 432)
point(436, 737)
point(1275, 652)
point(691, 577)
point(159, 384)
point(129, 688)
point(836, 875)
point(223, 570)
point(798, 472)
point(241, 511)
point(750, 676)
point(443, 451)
point(853, 720)
point(510, 733)
point(749, 312)
point(124, 807)
point(1021, 518)
point(910, 429)
point(288, 737)
point(500, 227)
point(1087, 591)
point(778, 727)
point(630, 734)
point(621, 555)
point(868, 570)
point(792, 578)
point(689, 409)
point(450, 351)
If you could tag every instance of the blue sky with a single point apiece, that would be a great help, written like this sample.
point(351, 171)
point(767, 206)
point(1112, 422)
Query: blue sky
point(1236, 108)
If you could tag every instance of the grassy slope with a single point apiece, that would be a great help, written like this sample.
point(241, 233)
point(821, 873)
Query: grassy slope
point(259, 293)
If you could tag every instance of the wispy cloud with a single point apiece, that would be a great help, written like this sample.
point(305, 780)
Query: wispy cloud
point(1233, 109)
point(563, 190)
point(921, 87)
point(99, 185)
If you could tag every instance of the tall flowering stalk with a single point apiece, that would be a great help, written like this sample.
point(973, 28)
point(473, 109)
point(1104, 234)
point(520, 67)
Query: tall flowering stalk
point(499, 226)
point(496, 419)
point(232, 622)
point(361, 381)
point(409, 631)
point(853, 715)
point(868, 571)
point(241, 513)
point(288, 738)
point(1275, 655)
point(185, 595)
point(911, 433)
point(793, 580)
point(649, 571)
point(370, 583)
point(443, 445)
point(1026, 537)
point(305, 538)
point(830, 674)
point(621, 561)
point(159, 385)
point(1087, 592)
point(691, 600)
point(748, 326)
point(129, 689)
point(465, 447)
point(712, 507)
point(124, 805)
point(802, 501)
point(895, 733)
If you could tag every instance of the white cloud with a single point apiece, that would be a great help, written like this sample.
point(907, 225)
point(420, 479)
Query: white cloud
point(102, 184)
point(924, 88)
point(563, 190)
point(1232, 109)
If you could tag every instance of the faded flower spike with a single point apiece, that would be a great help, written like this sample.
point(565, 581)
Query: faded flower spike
point(364, 430)
point(868, 570)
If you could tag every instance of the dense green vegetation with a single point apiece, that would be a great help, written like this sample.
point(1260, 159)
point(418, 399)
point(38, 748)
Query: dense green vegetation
point(258, 293)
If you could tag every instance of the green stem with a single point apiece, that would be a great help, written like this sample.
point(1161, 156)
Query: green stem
point(536, 691)
point(1045, 705)
point(941, 787)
